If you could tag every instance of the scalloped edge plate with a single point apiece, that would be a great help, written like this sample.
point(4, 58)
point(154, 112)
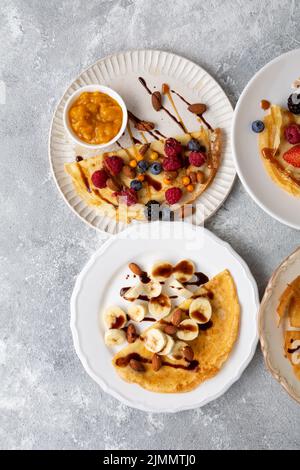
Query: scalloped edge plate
point(120, 72)
point(89, 293)
point(271, 337)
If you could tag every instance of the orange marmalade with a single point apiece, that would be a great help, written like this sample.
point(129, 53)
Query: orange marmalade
point(95, 117)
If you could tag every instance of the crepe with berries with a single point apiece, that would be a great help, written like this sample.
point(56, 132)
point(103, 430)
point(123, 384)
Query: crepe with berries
point(120, 201)
point(211, 347)
point(281, 156)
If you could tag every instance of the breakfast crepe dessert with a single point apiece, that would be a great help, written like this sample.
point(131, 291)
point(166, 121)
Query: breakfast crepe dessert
point(279, 147)
point(210, 347)
point(289, 303)
point(113, 183)
point(292, 350)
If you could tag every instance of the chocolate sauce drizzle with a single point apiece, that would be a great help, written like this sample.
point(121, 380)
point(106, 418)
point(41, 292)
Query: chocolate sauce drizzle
point(124, 361)
point(137, 120)
point(188, 104)
point(174, 118)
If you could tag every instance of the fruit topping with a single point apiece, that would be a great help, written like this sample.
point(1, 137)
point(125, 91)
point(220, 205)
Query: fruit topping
point(172, 163)
point(292, 156)
point(190, 188)
point(114, 318)
point(173, 195)
point(129, 195)
point(152, 210)
point(292, 134)
point(294, 103)
point(154, 156)
point(114, 337)
point(200, 310)
point(113, 164)
point(133, 163)
point(172, 147)
point(99, 178)
point(186, 180)
point(258, 126)
point(195, 146)
point(155, 168)
point(197, 158)
point(141, 177)
point(142, 166)
point(136, 185)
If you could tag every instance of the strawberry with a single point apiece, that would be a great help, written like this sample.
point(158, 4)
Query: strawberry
point(292, 156)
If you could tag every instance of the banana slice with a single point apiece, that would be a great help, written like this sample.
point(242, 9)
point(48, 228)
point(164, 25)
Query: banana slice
point(114, 337)
point(180, 289)
point(187, 330)
point(114, 318)
point(200, 310)
point(295, 357)
point(152, 289)
point(168, 347)
point(161, 270)
point(154, 340)
point(177, 351)
point(134, 292)
point(159, 306)
point(137, 312)
point(184, 270)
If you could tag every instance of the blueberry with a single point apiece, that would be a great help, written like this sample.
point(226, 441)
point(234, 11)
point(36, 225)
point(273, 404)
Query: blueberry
point(195, 146)
point(166, 214)
point(258, 126)
point(136, 185)
point(155, 168)
point(152, 210)
point(142, 166)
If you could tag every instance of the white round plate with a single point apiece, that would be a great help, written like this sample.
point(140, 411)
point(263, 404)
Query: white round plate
point(121, 72)
point(98, 287)
point(271, 336)
point(273, 83)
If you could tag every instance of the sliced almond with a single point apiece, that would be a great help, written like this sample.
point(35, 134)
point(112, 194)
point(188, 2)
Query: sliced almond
point(197, 108)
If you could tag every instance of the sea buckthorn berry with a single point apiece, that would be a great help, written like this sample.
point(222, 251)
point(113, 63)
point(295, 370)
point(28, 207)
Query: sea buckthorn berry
point(186, 180)
point(133, 163)
point(190, 188)
point(167, 181)
point(141, 177)
point(154, 156)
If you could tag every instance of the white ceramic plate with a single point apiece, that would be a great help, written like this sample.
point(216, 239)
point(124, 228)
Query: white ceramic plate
point(271, 337)
point(98, 287)
point(273, 83)
point(121, 72)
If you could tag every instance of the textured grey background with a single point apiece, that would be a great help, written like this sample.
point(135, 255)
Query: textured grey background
point(46, 398)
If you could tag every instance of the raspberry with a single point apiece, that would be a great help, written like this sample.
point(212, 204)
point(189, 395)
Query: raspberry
point(114, 164)
point(292, 134)
point(197, 158)
point(129, 195)
point(99, 178)
point(173, 195)
point(171, 164)
point(172, 148)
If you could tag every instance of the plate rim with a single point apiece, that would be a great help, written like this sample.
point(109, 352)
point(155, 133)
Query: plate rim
point(102, 231)
point(233, 140)
point(263, 342)
point(101, 382)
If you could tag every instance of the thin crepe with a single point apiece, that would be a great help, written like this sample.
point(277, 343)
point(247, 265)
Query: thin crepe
point(211, 348)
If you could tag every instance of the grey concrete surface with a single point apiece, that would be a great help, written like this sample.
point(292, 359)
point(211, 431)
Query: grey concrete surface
point(47, 401)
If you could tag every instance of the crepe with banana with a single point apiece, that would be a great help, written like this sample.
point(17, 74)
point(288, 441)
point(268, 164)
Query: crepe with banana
point(187, 346)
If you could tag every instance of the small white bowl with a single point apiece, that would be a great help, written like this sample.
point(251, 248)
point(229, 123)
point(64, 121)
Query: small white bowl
point(90, 88)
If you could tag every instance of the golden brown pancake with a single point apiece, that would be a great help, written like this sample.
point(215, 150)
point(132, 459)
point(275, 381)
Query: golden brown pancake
point(289, 303)
point(106, 201)
point(211, 348)
point(273, 145)
point(289, 337)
